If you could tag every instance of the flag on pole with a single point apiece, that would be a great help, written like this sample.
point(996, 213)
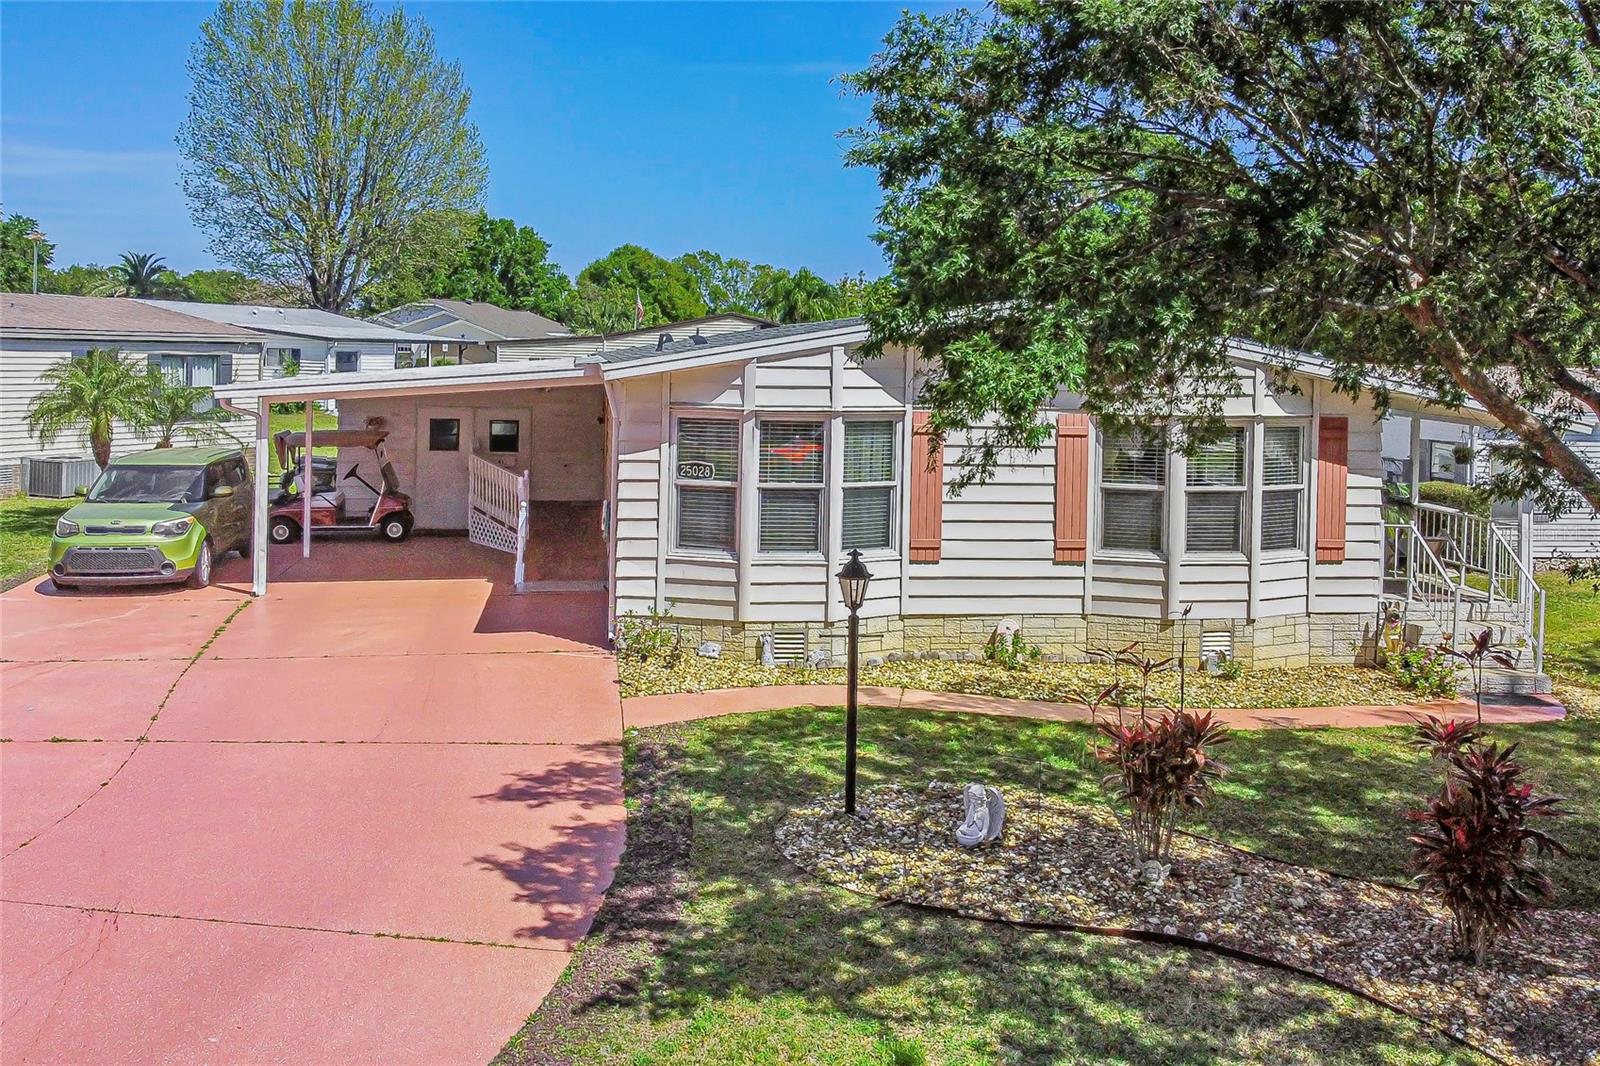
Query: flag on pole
point(638, 309)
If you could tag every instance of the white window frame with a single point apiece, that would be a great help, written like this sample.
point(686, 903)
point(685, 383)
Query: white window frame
point(1241, 493)
point(1102, 549)
point(735, 486)
point(892, 548)
point(1302, 486)
point(820, 487)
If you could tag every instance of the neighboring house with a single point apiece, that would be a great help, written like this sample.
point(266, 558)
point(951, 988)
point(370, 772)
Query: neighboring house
point(318, 342)
point(563, 347)
point(37, 331)
point(465, 327)
point(730, 474)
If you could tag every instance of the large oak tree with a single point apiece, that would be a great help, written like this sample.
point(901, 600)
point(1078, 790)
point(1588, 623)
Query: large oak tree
point(322, 141)
point(1098, 194)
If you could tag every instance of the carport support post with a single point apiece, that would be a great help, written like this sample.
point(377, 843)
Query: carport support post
point(258, 523)
point(305, 499)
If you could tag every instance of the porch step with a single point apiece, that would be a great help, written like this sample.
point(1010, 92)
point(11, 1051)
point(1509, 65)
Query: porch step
point(1499, 681)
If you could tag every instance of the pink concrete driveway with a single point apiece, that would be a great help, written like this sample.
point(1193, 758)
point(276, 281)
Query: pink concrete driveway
point(363, 820)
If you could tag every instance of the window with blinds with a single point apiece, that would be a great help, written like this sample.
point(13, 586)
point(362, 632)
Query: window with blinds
point(790, 484)
point(1283, 488)
point(868, 519)
point(1215, 500)
point(1133, 478)
point(706, 477)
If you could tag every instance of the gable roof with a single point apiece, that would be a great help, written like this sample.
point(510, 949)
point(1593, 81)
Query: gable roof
point(294, 322)
point(107, 318)
point(647, 333)
point(697, 344)
point(507, 323)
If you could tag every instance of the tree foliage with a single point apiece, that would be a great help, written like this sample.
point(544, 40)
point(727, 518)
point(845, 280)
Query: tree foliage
point(664, 287)
point(16, 254)
point(141, 274)
point(497, 262)
point(1098, 195)
point(91, 395)
point(319, 137)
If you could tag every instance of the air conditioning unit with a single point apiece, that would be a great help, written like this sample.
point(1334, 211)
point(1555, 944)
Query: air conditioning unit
point(57, 477)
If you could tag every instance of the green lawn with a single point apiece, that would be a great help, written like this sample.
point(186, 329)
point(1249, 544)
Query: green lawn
point(25, 528)
point(1572, 628)
point(766, 965)
point(296, 420)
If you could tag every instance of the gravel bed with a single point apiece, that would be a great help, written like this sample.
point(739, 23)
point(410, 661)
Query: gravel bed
point(1537, 999)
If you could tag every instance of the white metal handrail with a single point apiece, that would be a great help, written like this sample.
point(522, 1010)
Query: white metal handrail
point(497, 510)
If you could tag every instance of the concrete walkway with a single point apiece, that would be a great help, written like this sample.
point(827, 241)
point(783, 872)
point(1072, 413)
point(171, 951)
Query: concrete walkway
point(642, 711)
point(360, 821)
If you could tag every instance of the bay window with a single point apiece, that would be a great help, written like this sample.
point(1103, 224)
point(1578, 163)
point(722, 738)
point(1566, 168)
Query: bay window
point(1283, 488)
point(705, 479)
point(790, 483)
point(869, 469)
point(1133, 480)
point(1216, 495)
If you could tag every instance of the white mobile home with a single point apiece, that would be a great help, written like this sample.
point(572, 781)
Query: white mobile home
point(317, 342)
point(38, 331)
point(731, 474)
point(466, 329)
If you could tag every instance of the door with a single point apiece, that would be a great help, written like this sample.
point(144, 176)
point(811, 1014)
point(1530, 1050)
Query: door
point(502, 437)
point(444, 441)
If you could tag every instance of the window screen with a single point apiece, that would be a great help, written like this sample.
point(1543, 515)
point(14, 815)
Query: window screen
point(790, 455)
point(1283, 493)
point(346, 362)
point(1133, 473)
point(706, 474)
point(1214, 516)
point(869, 451)
point(505, 435)
point(444, 434)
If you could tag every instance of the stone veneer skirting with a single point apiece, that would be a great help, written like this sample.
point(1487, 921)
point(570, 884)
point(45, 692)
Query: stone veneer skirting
point(1265, 644)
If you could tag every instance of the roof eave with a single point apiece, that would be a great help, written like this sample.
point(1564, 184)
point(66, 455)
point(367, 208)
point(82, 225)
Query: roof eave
point(753, 348)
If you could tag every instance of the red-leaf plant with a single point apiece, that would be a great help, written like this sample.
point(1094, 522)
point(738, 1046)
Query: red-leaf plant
point(1475, 849)
point(1162, 768)
point(1444, 739)
point(1481, 649)
point(1144, 666)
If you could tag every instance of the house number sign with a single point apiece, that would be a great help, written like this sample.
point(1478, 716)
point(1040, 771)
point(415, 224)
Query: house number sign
point(696, 472)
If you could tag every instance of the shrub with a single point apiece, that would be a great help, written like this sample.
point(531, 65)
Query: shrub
point(649, 637)
point(1146, 667)
point(1229, 668)
point(1444, 740)
point(1013, 653)
point(1450, 494)
point(1476, 851)
point(1162, 768)
point(1425, 670)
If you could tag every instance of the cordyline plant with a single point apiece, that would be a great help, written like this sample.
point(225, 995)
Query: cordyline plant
point(1476, 851)
point(1163, 767)
point(1481, 650)
point(1444, 739)
point(1144, 666)
point(1110, 696)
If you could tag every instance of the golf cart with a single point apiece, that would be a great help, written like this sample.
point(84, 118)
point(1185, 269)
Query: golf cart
point(389, 515)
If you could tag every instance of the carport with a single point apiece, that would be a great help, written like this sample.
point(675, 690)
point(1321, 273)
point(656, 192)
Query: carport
point(513, 455)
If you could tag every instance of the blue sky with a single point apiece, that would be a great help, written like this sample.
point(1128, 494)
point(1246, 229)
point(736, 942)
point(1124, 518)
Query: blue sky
point(675, 126)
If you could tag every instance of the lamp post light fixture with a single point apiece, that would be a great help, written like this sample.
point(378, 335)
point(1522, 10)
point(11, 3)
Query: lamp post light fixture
point(853, 579)
point(36, 237)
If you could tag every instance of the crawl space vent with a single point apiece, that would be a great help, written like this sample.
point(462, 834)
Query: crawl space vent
point(789, 645)
point(1216, 644)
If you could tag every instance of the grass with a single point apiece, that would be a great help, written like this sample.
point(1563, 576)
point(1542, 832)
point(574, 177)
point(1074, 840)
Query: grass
point(296, 421)
point(26, 525)
point(768, 966)
point(1572, 628)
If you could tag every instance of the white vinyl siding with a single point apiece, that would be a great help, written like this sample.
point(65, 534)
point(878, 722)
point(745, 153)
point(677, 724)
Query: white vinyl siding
point(869, 485)
point(1215, 496)
point(1133, 478)
point(791, 466)
point(707, 478)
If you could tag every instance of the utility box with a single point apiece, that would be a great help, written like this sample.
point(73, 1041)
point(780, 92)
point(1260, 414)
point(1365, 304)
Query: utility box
point(57, 477)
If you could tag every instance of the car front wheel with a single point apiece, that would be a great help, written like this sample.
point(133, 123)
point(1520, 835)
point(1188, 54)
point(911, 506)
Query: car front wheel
point(200, 576)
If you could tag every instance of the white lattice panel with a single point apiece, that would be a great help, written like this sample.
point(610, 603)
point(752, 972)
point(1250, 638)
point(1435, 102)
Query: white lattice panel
point(481, 529)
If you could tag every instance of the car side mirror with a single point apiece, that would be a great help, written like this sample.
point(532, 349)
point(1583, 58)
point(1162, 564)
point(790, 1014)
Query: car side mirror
point(221, 492)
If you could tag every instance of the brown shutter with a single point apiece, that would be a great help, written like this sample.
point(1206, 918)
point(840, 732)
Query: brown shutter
point(1333, 487)
point(927, 492)
point(1072, 488)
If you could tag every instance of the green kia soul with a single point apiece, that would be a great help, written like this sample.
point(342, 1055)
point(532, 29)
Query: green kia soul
point(163, 515)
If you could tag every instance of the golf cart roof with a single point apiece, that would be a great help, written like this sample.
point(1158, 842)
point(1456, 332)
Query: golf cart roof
point(332, 438)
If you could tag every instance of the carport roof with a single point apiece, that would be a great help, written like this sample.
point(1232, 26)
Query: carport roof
point(469, 377)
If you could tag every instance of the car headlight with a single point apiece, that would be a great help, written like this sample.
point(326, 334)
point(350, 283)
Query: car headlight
point(66, 528)
point(175, 528)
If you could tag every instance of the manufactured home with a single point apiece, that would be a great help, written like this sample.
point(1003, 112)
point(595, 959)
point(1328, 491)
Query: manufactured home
point(306, 340)
point(39, 331)
point(722, 479)
point(466, 329)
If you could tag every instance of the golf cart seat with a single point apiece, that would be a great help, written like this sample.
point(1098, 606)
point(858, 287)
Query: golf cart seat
point(321, 497)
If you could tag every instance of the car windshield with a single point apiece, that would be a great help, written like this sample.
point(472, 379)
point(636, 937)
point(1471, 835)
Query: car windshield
point(148, 484)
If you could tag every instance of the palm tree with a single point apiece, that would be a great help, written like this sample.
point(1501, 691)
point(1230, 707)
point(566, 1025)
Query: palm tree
point(171, 405)
point(139, 274)
point(91, 394)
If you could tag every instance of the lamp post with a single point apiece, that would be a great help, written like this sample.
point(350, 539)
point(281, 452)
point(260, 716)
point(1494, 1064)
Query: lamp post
point(853, 578)
point(36, 237)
